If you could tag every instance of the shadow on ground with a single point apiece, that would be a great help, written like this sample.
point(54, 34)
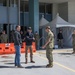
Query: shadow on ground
point(14, 63)
point(10, 63)
point(7, 67)
point(30, 67)
point(65, 53)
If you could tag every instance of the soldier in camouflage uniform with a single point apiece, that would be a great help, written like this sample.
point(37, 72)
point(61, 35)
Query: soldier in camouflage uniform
point(36, 36)
point(73, 41)
point(49, 46)
point(4, 37)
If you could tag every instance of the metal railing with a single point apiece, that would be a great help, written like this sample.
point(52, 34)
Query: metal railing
point(41, 40)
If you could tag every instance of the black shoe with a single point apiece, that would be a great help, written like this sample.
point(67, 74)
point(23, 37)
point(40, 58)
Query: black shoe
point(15, 65)
point(20, 66)
point(32, 61)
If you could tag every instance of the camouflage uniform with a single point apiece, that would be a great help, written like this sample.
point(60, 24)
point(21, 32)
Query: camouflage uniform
point(49, 47)
point(36, 36)
point(4, 38)
point(73, 42)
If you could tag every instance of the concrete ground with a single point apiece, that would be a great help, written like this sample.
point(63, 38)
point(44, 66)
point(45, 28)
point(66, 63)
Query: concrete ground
point(64, 64)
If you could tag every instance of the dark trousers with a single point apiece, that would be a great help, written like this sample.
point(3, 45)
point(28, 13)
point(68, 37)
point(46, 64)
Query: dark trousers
point(60, 43)
point(31, 52)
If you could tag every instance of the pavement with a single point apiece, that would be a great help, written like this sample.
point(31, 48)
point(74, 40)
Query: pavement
point(64, 64)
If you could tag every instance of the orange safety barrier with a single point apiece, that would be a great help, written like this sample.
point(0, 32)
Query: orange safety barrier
point(8, 48)
point(33, 47)
point(12, 48)
point(1, 48)
point(23, 48)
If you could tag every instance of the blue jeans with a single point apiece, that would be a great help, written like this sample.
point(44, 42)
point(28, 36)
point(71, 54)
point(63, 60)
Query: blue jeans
point(17, 55)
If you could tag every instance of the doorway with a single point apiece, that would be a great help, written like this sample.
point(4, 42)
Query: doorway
point(8, 28)
point(5, 27)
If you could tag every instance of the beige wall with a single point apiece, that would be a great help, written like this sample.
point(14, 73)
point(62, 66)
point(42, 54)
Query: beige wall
point(54, 10)
point(71, 12)
point(63, 10)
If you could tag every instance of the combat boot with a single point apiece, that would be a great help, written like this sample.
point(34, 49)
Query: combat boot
point(73, 52)
point(50, 65)
point(32, 61)
point(26, 61)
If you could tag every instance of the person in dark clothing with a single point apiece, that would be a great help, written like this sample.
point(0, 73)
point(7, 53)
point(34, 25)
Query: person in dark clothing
point(36, 36)
point(29, 39)
point(12, 36)
point(0, 36)
point(60, 39)
point(17, 43)
point(22, 35)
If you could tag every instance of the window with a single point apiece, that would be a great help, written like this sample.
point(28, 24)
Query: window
point(42, 8)
point(24, 7)
point(13, 3)
point(45, 8)
point(3, 2)
point(49, 8)
point(21, 6)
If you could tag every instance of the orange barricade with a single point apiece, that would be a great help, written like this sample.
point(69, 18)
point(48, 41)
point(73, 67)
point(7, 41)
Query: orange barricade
point(8, 48)
point(12, 48)
point(23, 48)
point(33, 47)
point(1, 48)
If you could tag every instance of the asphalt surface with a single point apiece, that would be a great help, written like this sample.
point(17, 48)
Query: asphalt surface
point(64, 64)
